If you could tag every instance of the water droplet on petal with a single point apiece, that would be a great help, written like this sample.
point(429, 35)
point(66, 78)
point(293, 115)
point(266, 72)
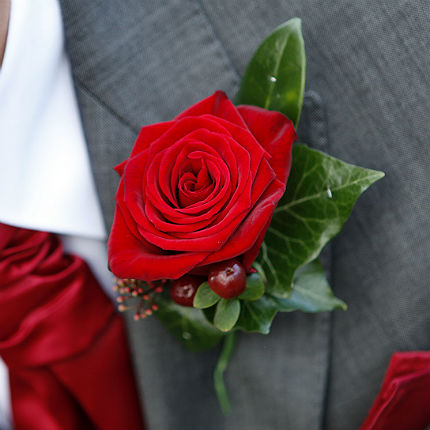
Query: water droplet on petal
point(329, 194)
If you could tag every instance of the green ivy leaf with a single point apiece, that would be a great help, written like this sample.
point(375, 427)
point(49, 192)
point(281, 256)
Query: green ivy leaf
point(257, 316)
point(311, 293)
point(275, 76)
point(254, 287)
point(321, 192)
point(188, 325)
point(226, 314)
point(205, 297)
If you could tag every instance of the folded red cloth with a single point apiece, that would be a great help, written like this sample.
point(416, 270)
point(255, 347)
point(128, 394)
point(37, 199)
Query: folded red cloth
point(404, 400)
point(62, 340)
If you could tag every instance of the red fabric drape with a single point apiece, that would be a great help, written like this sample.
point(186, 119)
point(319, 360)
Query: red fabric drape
point(63, 342)
point(404, 400)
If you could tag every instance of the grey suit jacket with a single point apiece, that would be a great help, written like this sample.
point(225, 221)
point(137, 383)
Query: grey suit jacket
point(137, 62)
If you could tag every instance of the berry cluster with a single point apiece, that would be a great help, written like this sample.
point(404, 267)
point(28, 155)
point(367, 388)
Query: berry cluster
point(227, 279)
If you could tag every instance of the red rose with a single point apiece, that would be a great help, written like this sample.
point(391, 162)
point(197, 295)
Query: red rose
point(199, 189)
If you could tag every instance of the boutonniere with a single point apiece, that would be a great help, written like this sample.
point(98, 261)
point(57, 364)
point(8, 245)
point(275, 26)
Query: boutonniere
point(220, 219)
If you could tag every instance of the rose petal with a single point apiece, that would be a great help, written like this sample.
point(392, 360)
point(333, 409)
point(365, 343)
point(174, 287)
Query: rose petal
point(252, 227)
point(146, 136)
point(229, 150)
point(120, 167)
point(185, 127)
point(149, 134)
point(249, 256)
point(164, 225)
point(173, 161)
point(264, 177)
point(192, 214)
point(276, 134)
point(193, 189)
point(217, 104)
point(247, 140)
point(132, 258)
point(208, 239)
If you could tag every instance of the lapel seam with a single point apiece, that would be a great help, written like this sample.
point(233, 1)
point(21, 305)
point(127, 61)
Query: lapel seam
point(319, 139)
point(324, 138)
point(103, 104)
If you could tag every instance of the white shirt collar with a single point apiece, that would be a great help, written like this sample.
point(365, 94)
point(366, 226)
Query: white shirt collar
point(45, 176)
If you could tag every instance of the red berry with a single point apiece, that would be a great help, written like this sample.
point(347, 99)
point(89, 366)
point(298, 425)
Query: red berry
point(184, 289)
point(228, 279)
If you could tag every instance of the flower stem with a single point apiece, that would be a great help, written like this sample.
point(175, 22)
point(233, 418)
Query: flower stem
point(223, 360)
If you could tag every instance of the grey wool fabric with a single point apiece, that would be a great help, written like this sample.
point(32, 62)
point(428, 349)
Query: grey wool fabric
point(138, 62)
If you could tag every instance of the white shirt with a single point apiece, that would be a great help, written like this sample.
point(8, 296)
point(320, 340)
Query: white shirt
point(45, 175)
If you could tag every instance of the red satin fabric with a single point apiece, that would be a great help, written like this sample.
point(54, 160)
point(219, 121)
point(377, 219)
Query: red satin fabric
point(404, 400)
point(62, 340)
